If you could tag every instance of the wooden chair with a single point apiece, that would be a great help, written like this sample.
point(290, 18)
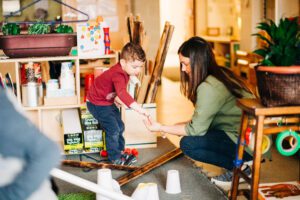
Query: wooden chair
point(262, 117)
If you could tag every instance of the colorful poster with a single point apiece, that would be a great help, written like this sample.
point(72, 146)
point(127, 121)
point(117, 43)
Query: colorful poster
point(90, 40)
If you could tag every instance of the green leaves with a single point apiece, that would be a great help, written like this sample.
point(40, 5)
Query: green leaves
point(11, 29)
point(283, 41)
point(64, 29)
point(39, 28)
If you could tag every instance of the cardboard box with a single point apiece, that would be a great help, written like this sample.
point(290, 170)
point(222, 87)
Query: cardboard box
point(136, 134)
point(92, 133)
point(73, 140)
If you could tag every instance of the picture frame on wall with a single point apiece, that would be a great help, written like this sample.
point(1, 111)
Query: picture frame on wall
point(213, 31)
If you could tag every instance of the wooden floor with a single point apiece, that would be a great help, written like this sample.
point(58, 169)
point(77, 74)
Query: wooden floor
point(172, 107)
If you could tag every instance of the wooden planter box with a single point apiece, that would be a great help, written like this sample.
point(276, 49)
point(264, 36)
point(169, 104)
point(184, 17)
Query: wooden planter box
point(21, 46)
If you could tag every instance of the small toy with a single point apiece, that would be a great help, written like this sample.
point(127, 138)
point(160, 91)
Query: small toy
point(103, 153)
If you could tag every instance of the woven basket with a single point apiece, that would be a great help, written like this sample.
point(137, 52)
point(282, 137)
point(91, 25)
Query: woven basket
point(277, 87)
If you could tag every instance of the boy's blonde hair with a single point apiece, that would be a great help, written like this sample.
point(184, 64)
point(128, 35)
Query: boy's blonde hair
point(131, 52)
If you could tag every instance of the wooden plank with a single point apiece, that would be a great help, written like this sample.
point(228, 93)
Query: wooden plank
point(149, 166)
point(130, 26)
point(93, 165)
point(129, 29)
point(165, 51)
point(275, 130)
point(143, 90)
point(160, 49)
point(279, 121)
point(157, 62)
point(136, 39)
point(254, 107)
point(160, 67)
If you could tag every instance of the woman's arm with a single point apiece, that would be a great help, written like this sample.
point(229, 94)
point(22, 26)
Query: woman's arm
point(154, 126)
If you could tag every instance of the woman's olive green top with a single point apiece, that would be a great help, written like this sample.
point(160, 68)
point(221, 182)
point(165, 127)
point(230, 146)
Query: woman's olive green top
point(215, 109)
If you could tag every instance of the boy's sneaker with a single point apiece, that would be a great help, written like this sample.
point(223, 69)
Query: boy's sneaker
point(224, 180)
point(125, 160)
point(118, 162)
point(131, 160)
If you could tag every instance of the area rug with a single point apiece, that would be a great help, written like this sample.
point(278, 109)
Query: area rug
point(194, 184)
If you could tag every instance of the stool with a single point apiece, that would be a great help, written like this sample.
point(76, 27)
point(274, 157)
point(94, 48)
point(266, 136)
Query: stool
point(254, 108)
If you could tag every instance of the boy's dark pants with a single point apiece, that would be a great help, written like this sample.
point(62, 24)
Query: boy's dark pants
point(110, 120)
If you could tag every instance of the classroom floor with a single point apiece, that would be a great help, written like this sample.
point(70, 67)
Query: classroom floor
point(172, 107)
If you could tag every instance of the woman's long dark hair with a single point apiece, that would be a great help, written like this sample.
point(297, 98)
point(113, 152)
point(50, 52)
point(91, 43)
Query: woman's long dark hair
point(203, 63)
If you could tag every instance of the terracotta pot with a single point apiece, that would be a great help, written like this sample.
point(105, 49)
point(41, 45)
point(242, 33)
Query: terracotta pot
point(278, 86)
point(20, 46)
point(280, 69)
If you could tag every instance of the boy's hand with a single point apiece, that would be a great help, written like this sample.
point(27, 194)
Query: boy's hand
point(143, 112)
point(139, 109)
point(118, 101)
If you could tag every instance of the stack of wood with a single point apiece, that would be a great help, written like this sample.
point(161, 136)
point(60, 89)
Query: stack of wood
point(151, 76)
point(136, 30)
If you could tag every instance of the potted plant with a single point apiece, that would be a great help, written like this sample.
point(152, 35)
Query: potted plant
point(39, 41)
point(278, 75)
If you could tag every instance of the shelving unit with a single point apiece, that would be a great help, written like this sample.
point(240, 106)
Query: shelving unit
point(224, 48)
point(47, 118)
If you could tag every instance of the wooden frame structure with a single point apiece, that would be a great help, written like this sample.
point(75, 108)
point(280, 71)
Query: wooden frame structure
point(254, 108)
point(135, 171)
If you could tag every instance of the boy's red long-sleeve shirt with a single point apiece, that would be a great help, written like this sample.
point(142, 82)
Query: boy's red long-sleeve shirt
point(111, 83)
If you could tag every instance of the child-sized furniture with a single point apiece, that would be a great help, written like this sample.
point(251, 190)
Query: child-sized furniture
point(261, 114)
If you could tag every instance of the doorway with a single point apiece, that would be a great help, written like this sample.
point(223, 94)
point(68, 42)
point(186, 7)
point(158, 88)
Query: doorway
point(181, 14)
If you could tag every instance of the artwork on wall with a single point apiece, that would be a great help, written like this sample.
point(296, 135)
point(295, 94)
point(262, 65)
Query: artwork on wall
point(10, 6)
point(105, 8)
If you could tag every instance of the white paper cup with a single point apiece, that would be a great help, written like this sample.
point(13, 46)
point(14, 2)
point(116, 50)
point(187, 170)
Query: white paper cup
point(140, 192)
point(173, 182)
point(146, 191)
point(105, 181)
point(152, 191)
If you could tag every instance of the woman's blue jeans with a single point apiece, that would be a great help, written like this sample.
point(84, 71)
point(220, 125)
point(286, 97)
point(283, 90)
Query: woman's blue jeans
point(215, 147)
point(110, 121)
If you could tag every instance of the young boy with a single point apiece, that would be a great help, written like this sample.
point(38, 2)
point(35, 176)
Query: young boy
point(110, 87)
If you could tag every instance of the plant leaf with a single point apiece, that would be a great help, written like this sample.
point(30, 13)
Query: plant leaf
point(267, 63)
point(263, 38)
point(261, 52)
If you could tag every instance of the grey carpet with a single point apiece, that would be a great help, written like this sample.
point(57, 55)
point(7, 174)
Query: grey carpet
point(194, 185)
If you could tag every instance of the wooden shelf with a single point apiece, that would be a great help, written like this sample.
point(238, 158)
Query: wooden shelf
point(222, 46)
point(87, 66)
point(38, 59)
point(47, 118)
point(114, 55)
point(51, 107)
point(55, 58)
point(223, 39)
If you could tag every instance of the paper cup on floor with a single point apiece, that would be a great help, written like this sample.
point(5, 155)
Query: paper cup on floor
point(146, 191)
point(140, 192)
point(105, 181)
point(152, 191)
point(116, 186)
point(173, 182)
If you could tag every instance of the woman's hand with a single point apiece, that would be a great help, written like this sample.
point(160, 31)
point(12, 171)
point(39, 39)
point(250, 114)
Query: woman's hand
point(152, 125)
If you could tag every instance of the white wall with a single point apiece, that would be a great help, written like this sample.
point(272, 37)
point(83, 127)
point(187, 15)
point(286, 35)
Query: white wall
point(180, 14)
point(286, 8)
point(251, 14)
point(200, 17)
